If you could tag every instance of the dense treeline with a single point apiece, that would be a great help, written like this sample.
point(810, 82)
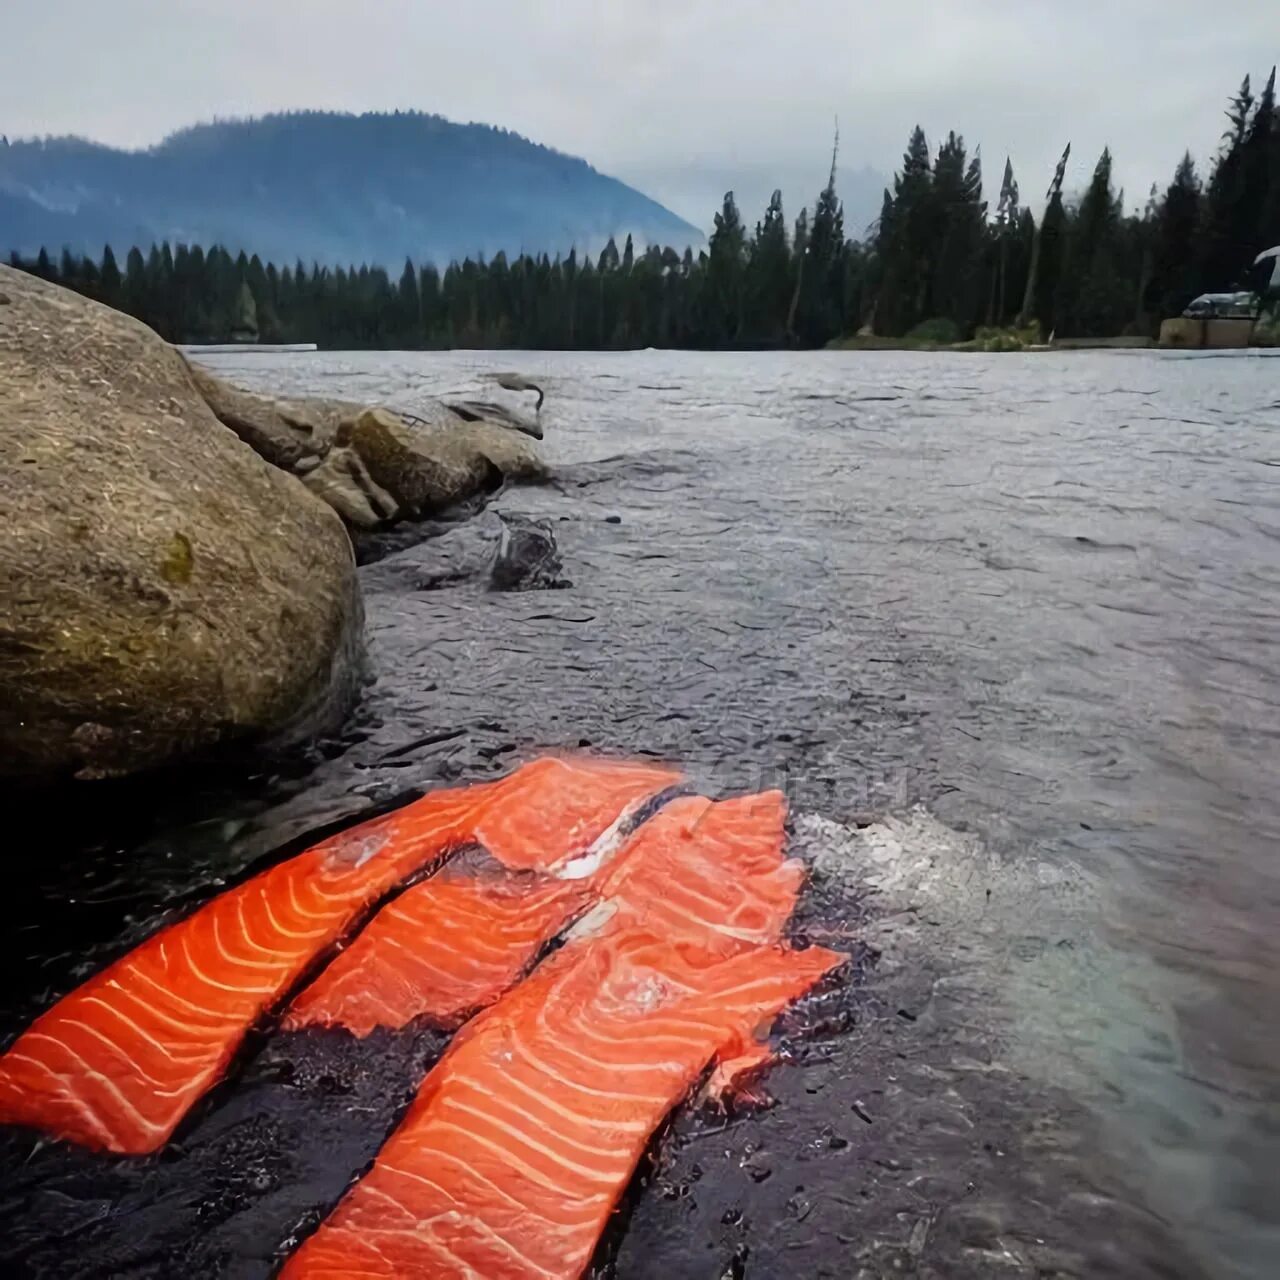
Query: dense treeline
point(940, 262)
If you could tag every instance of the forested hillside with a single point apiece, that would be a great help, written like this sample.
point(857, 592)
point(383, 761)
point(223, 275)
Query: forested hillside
point(326, 187)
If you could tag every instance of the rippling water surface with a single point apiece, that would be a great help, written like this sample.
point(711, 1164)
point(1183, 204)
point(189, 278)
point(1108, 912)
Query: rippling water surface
point(1026, 609)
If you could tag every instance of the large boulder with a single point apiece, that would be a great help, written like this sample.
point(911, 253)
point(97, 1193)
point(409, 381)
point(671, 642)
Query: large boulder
point(164, 590)
point(374, 466)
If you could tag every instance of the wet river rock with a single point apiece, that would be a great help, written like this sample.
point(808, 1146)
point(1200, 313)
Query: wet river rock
point(165, 590)
point(376, 467)
point(527, 558)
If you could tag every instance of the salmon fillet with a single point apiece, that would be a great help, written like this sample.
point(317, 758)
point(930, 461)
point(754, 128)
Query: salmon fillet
point(117, 1063)
point(548, 814)
point(455, 943)
point(443, 949)
point(710, 872)
point(522, 1139)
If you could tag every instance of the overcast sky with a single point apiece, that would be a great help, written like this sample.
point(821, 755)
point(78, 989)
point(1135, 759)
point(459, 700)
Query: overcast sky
point(682, 98)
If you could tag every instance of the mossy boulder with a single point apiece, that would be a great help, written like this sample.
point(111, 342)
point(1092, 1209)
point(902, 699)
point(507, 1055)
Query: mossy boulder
point(165, 590)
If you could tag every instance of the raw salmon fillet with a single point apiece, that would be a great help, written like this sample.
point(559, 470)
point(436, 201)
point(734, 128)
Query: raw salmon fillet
point(713, 873)
point(455, 943)
point(548, 814)
point(522, 1139)
point(443, 949)
point(118, 1062)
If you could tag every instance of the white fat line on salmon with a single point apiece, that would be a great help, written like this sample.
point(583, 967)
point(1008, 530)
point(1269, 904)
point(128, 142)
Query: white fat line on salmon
point(124, 1103)
point(277, 951)
point(368, 1189)
point(221, 1019)
point(142, 1033)
point(327, 918)
point(460, 1218)
point(67, 1096)
point(473, 940)
point(702, 924)
point(527, 1169)
point(158, 1091)
point(639, 1031)
point(684, 887)
point(593, 1122)
point(639, 1099)
point(458, 1267)
point(370, 1244)
point(440, 1155)
point(279, 928)
point(347, 895)
point(194, 1033)
point(419, 961)
point(221, 986)
point(522, 1137)
point(444, 1098)
point(275, 966)
point(614, 1014)
point(629, 1068)
point(606, 844)
point(482, 914)
point(115, 1048)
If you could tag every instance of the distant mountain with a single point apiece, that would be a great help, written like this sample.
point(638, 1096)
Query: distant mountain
point(324, 186)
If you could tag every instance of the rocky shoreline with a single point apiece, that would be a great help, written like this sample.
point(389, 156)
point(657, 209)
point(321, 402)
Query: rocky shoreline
point(177, 568)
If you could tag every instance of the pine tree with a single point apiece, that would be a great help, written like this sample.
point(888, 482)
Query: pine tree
point(820, 313)
point(1177, 228)
point(1229, 221)
point(904, 242)
point(1260, 172)
point(245, 326)
point(723, 298)
point(1099, 291)
point(430, 308)
point(109, 278)
point(800, 255)
point(768, 282)
point(409, 309)
point(1035, 299)
point(134, 290)
point(1006, 222)
point(952, 249)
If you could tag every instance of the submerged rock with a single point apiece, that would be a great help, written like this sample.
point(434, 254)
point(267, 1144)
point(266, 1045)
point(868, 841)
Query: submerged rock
point(527, 558)
point(165, 590)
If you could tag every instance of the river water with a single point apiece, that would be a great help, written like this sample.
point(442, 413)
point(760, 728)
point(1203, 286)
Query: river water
point(1005, 630)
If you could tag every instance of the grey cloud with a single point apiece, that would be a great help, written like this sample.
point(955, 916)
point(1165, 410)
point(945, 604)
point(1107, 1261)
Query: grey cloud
point(685, 98)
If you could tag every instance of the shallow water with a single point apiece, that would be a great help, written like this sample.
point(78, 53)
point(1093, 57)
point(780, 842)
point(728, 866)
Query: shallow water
point(1025, 609)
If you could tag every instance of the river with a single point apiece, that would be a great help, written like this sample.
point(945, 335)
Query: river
point(1005, 630)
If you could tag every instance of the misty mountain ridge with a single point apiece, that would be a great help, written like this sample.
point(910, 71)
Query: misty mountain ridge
point(323, 186)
